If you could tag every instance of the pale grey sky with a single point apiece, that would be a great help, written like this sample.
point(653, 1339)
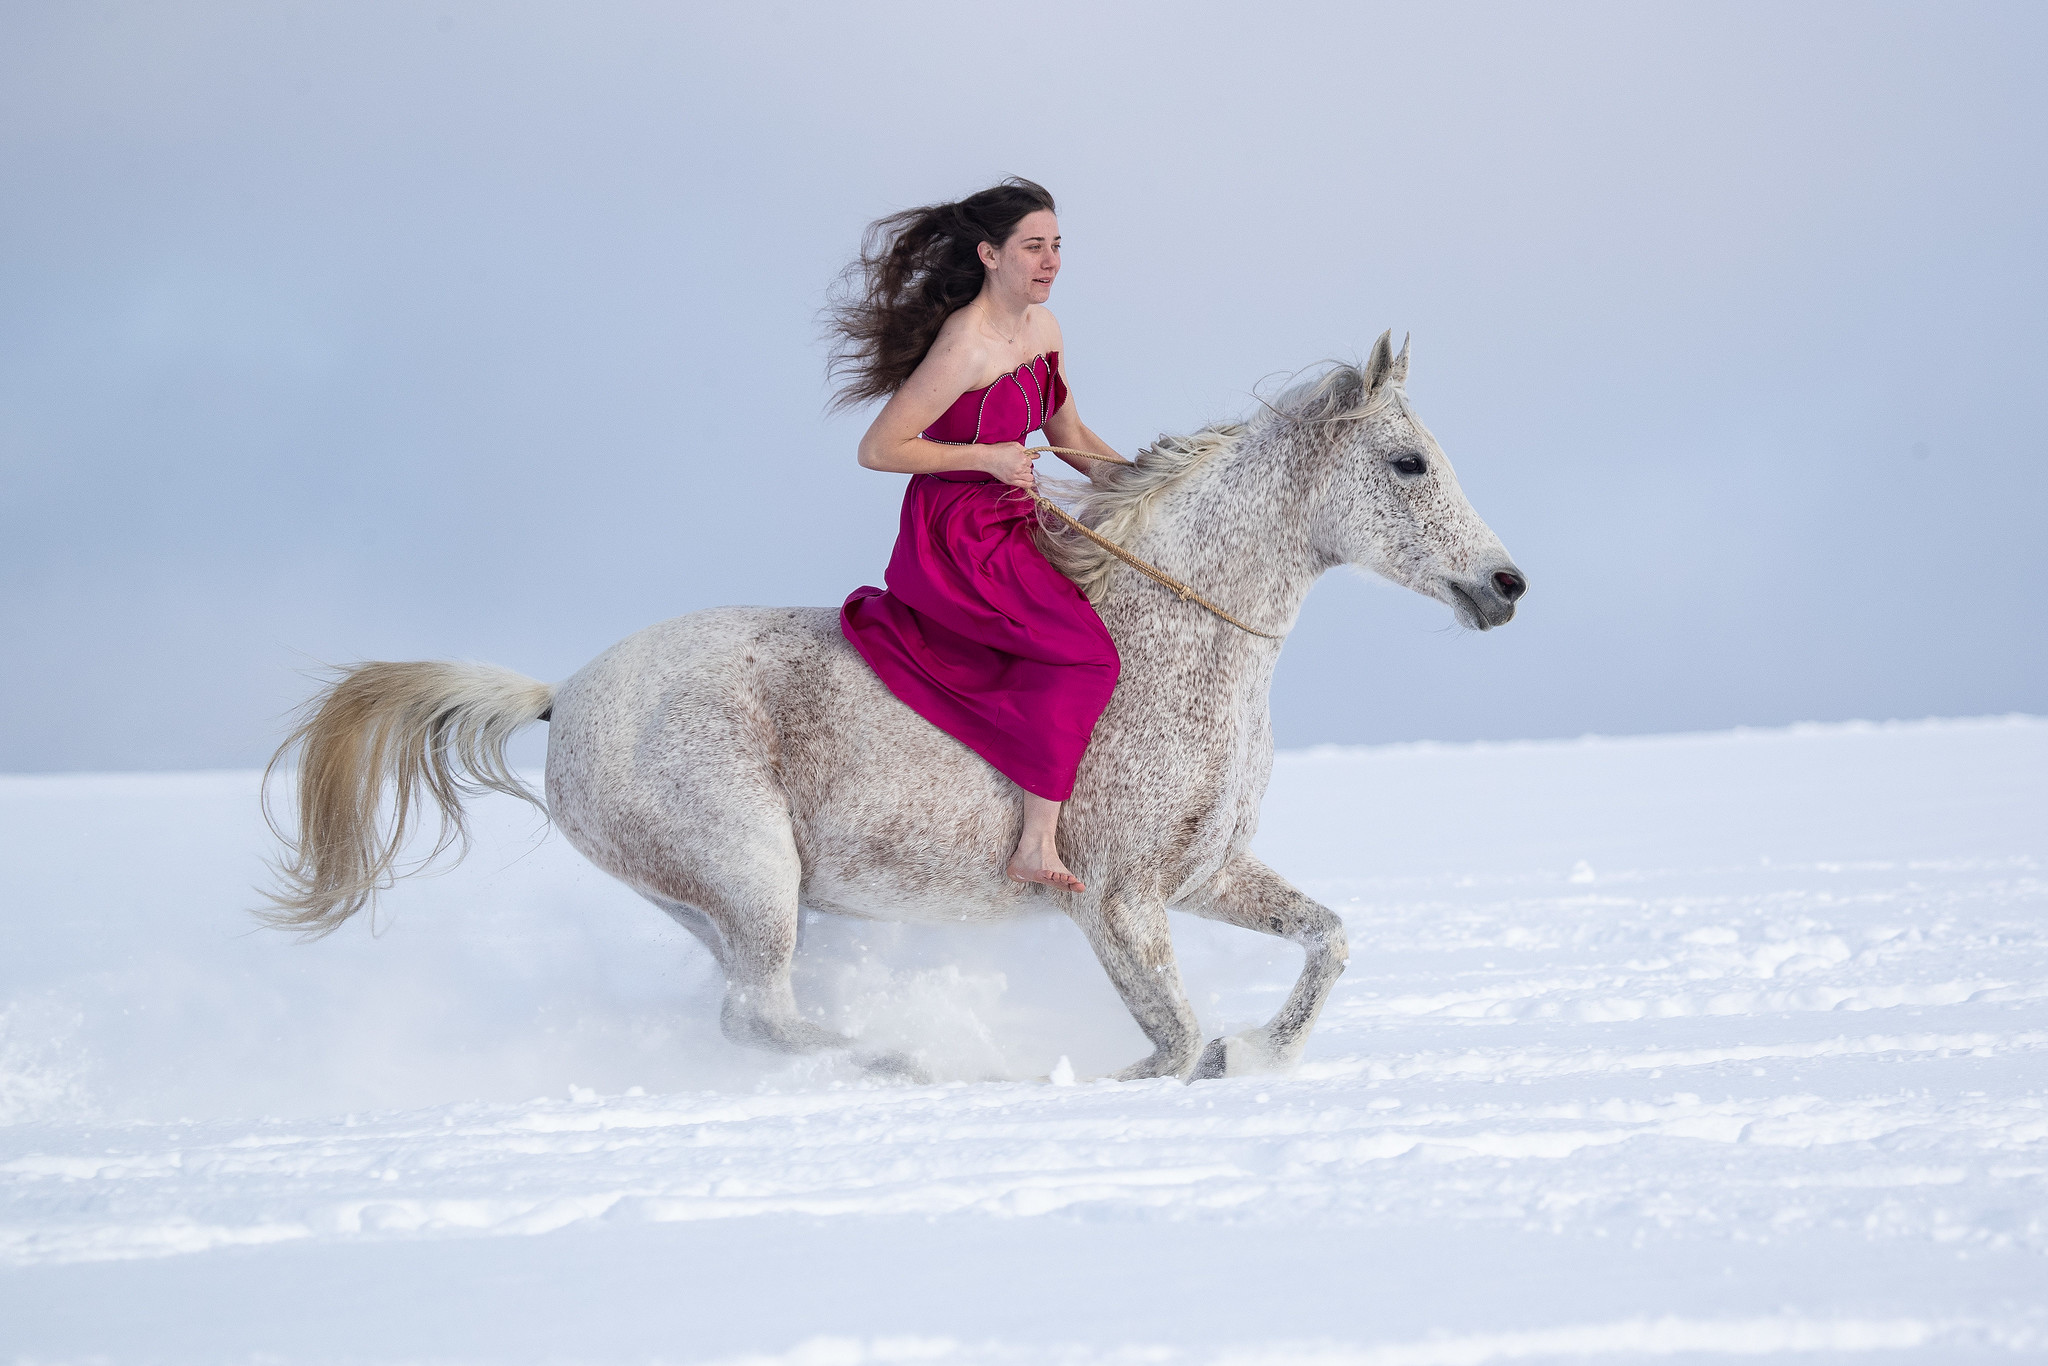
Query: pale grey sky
point(471, 330)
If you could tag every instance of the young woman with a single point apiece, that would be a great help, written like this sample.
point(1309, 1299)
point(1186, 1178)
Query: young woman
point(976, 632)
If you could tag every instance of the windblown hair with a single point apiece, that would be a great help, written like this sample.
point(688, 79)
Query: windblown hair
point(1120, 500)
point(428, 730)
point(915, 269)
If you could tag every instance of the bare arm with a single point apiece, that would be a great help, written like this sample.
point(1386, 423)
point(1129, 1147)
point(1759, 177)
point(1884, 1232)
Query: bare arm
point(893, 442)
point(1065, 428)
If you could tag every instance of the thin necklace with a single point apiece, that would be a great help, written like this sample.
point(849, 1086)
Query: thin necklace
point(1008, 341)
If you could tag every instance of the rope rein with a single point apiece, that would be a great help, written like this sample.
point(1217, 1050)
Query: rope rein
point(1179, 589)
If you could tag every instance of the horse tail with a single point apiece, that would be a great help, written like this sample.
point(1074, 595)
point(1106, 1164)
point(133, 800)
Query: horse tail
point(428, 730)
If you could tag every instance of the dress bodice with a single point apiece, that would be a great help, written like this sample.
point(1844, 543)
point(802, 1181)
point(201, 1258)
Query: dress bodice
point(1014, 406)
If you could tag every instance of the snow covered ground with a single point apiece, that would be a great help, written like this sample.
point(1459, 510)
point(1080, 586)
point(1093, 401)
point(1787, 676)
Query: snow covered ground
point(1686, 1048)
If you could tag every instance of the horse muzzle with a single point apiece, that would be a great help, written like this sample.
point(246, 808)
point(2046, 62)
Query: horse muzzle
point(1486, 600)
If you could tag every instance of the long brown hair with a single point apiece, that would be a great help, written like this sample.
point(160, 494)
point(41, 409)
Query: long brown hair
point(915, 268)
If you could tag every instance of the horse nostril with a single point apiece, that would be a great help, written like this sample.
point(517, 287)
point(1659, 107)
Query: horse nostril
point(1511, 584)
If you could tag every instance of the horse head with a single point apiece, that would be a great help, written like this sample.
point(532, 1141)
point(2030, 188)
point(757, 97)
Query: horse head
point(1390, 501)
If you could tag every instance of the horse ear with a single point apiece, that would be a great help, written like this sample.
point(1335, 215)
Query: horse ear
point(1381, 364)
point(1398, 375)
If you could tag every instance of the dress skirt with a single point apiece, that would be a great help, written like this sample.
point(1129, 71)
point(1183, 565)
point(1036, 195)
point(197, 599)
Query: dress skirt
point(981, 636)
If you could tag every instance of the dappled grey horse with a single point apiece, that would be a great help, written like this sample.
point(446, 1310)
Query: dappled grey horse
point(737, 765)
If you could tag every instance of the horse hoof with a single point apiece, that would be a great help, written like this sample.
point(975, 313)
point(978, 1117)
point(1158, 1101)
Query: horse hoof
point(1156, 1066)
point(1214, 1062)
point(894, 1067)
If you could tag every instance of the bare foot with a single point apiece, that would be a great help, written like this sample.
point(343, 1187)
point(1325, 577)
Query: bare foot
point(1043, 865)
point(1038, 857)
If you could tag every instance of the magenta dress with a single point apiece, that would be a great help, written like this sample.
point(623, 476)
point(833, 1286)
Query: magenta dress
point(977, 632)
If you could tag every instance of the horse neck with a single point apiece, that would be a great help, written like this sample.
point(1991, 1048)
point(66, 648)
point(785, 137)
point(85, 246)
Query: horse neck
point(1236, 531)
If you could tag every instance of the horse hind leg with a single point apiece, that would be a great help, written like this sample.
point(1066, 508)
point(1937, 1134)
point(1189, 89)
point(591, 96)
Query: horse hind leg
point(748, 918)
point(696, 922)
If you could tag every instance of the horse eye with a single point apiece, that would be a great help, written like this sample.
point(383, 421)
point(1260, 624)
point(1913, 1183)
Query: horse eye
point(1408, 464)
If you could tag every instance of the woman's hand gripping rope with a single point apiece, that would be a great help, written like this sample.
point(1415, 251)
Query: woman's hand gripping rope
point(1181, 590)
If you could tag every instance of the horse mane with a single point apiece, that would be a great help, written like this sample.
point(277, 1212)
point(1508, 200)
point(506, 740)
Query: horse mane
point(1121, 499)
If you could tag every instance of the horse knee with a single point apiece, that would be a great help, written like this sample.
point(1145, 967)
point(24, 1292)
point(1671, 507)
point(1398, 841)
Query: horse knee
point(1335, 944)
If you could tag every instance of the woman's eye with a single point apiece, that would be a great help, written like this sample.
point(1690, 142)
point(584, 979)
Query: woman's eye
point(1408, 464)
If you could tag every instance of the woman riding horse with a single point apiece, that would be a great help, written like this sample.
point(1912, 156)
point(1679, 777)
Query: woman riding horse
point(977, 632)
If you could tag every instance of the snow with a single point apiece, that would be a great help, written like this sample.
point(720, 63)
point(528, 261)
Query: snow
point(1679, 1048)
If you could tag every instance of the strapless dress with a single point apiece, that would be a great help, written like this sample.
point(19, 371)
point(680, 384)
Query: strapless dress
point(976, 631)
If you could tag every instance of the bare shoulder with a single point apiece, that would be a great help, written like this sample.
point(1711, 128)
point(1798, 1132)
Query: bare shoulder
point(1045, 328)
point(958, 359)
point(959, 332)
point(959, 348)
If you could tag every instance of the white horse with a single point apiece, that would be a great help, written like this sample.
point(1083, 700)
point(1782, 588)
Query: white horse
point(736, 765)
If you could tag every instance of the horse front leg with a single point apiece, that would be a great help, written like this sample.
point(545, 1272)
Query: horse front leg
point(1249, 894)
point(1132, 941)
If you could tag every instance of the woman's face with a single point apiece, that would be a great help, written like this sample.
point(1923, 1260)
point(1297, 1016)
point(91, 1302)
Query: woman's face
point(1026, 265)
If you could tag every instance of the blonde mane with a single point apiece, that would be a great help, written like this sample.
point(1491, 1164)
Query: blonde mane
point(1120, 502)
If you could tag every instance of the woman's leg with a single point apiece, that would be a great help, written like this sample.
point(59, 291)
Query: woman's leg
point(1037, 858)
